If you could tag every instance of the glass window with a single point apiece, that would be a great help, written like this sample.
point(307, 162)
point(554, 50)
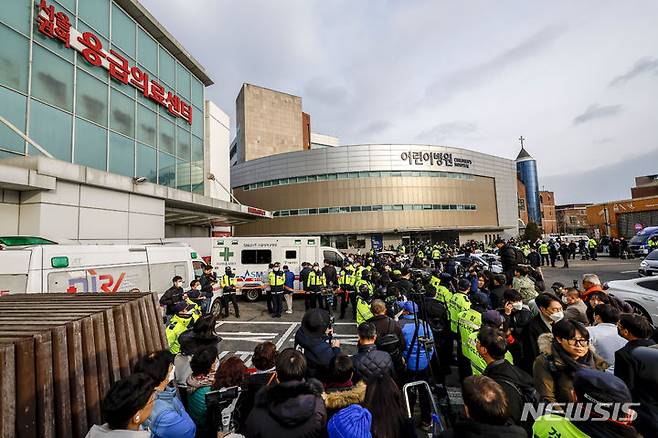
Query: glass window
point(334, 210)
point(146, 125)
point(122, 155)
point(453, 207)
point(166, 170)
point(387, 207)
point(364, 174)
point(285, 213)
point(96, 13)
point(183, 178)
point(301, 179)
point(197, 122)
point(14, 58)
point(54, 44)
point(344, 209)
point(366, 208)
point(294, 212)
point(147, 53)
point(123, 31)
point(332, 176)
point(256, 256)
point(197, 93)
point(322, 177)
point(16, 14)
point(385, 173)
point(55, 135)
point(323, 210)
point(197, 151)
point(90, 145)
point(291, 254)
point(436, 206)
point(312, 178)
point(147, 165)
point(353, 175)
point(303, 211)
point(167, 68)
point(196, 177)
point(166, 141)
point(397, 207)
point(312, 211)
point(427, 207)
point(284, 181)
point(52, 78)
point(183, 83)
point(68, 4)
point(377, 208)
point(417, 207)
point(13, 109)
point(342, 175)
point(91, 98)
point(396, 173)
point(267, 183)
point(122, 114)
point(355, 208)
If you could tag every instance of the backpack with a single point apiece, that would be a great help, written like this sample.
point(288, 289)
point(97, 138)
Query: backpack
point(390, 343)
point(528, 394)
point(520, 257)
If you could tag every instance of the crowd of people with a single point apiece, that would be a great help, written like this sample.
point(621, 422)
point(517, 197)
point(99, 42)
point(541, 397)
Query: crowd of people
point(420, 317)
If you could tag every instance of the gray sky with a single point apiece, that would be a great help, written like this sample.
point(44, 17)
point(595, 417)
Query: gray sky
point(578, 79)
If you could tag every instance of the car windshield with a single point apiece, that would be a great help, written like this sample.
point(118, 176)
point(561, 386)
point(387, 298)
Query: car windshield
point(639, 239)
point(653, 255)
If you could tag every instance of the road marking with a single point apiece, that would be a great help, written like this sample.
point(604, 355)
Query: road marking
point(285, 335)
point(629, 272)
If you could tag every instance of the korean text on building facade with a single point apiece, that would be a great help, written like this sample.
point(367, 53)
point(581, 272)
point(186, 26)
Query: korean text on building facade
point(56, 25)
point(435, 158)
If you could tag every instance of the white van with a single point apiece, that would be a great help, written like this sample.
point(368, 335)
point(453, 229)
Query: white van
point(93, 268)
point(249, 257)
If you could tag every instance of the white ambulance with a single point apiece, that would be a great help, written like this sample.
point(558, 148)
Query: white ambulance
point(35, 265)
point(249, 257)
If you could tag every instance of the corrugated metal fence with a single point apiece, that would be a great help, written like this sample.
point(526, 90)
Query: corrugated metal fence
point(60, 353)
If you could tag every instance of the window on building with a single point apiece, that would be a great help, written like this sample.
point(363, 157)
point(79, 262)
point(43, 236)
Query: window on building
point(96, 13)
point(147, 165)
point(124, 31)
point(17, 15)
point(291, 254)
point(52, 78)
point(166, 170)
point(256, 256)
point(183, 148)
point(14, 57)
point(166, 139)
point(90, 145)
point(147, 52)
point(91, 98)
point(122, 155)
point(167, 68)
point(122, 113)
point(147, 126)
point(55, 135)
point(13, 109)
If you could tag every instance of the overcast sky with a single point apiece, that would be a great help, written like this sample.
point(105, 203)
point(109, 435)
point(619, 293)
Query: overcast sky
point(578, 79)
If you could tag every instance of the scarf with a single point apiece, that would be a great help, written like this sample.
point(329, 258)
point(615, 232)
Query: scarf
point(572, 364)
point(196, 382)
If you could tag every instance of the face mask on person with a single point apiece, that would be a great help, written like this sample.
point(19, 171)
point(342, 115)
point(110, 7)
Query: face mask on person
point(557, 316)
point(565, 300)
point(197, 287)
point(276, 269)
point(172, 374)
point(179, 284)
point(518, 305)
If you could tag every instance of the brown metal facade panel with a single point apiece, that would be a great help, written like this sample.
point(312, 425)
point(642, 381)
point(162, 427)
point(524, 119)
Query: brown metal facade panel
point(92, 396)
point(112, 348)
point(44, 385)
point(77, 379)
point(7, 391)
point(62, 389)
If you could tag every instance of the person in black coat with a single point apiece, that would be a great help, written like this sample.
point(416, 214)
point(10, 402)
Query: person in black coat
point(517, 316)
point(637, 330)
point(291, 408)
point(507, 256)
point(314, 336)
point(550, 311)
point(492, 346)
point(173, 295)
point(486, 416)
point(368, 361)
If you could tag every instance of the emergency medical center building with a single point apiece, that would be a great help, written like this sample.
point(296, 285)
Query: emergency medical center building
point(107, 135)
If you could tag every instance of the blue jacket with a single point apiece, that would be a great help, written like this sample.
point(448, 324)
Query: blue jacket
point(290, 279)
point(416, 362)
point(168, 418)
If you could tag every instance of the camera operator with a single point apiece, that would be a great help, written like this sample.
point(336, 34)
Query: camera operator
point(418, 352)
point(314, 336)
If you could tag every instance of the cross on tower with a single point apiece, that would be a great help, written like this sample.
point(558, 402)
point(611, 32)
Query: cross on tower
point(521, 139)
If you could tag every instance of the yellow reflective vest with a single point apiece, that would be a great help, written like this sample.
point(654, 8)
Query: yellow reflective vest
point(363, 312)
point(277, 280)
point(458, 303)
point(478, 364)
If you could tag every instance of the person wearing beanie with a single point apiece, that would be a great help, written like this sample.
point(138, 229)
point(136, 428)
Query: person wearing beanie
point(351, 422)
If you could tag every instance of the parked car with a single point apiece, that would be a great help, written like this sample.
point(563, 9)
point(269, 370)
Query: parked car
point(638, 245)
point(484, 263)
point(649, 265)
point(641, 293)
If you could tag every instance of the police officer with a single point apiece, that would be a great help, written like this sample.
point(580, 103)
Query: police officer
point(186, 314)
point(208, 281)
point(469, 321)
point(592, 245)
point(490, 318)
point(543, 252)
point(436, 257)
point(435, 279)
point(443, 294)
point(458, 303)
point(365, 281)
point(277, 279)
point(363, 300)
point(229, 283)
point(347, 282)
point(316, 283)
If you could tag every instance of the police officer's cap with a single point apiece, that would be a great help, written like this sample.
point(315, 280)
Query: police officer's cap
point(277, 264)
point(180, 306)
point(227, 269)
point(194, 294)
